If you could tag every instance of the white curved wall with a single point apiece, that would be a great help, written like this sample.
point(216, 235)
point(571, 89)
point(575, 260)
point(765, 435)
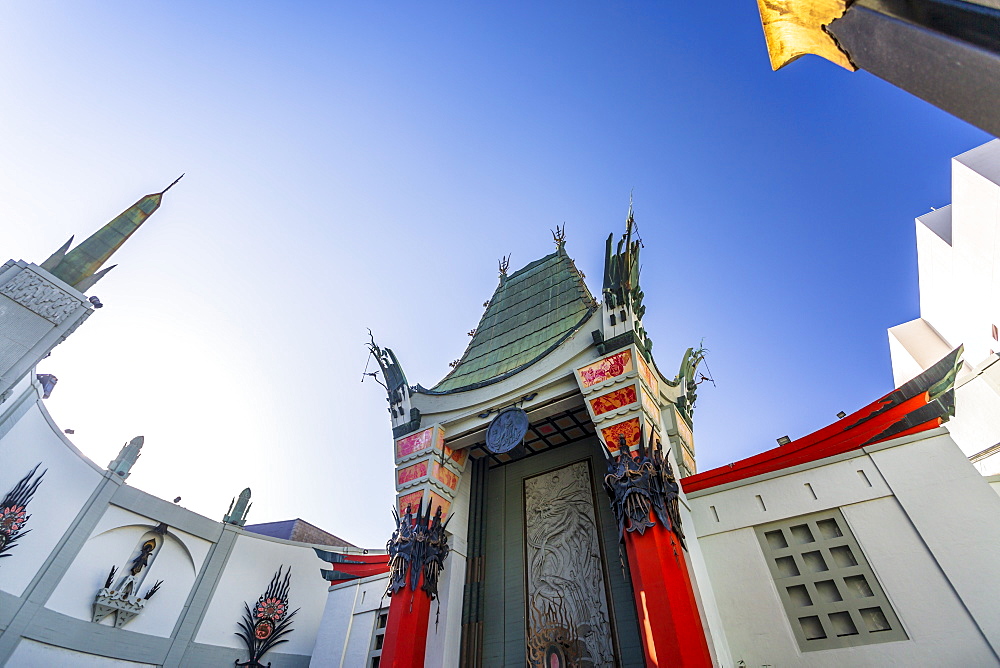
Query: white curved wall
point(31, 654)
point(251, 565)
point(113, 542)
point(67, 485)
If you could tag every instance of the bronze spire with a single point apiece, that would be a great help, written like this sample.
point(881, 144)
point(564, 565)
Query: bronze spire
point(79, 267)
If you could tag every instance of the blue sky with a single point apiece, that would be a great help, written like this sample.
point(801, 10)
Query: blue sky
point(355, 165)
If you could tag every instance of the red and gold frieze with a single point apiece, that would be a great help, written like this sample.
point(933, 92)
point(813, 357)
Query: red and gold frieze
point(605, 369)
point(411, 499)
point(648, 376)
point(445, 475)
point(613, 400)
point(459, 457)
point(630, 429)
point(420, 441)
point(621, 391)
point(652, 408)
point(411, 473)
point(427, 469)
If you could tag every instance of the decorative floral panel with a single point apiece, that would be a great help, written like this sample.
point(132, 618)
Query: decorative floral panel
point(412, 499)
point(405, 475)
point(445, 476)
point(630, 429)
point(648, 376)
point(457, 456)
point(613, 400)
point(438, 500)
point(606, 369)
point(414, 443)
point(651, 406)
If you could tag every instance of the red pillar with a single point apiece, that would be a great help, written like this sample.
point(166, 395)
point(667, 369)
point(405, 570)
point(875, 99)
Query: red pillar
point(669, 622)
point(406, 629)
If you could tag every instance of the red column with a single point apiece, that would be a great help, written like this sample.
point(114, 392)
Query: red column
point(406, 629)
point(669, 622)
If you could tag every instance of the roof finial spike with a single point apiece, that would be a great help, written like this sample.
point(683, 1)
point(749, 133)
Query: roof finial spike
point(56, 257)
point(559, 235)
point(504, 264)
point(172, 184)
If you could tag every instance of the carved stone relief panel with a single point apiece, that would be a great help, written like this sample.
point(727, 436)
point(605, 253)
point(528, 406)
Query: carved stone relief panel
point(568, 617)
point(40, 296)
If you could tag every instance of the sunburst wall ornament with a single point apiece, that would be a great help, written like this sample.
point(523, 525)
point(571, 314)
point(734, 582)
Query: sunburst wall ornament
point(266, 625)
point(14, 510)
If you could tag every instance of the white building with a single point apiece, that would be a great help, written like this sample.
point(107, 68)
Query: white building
point(958, 252)
point(869, 542)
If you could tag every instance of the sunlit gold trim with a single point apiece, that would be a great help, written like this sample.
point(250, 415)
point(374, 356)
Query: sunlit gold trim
point(794, 28)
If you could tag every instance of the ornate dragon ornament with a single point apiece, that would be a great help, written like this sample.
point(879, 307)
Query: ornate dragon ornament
point(265, 626)
point(396, 388)
point(418, 546)
point(123, 600)
point(14, 510)
point(640, 483)
point(687, 378)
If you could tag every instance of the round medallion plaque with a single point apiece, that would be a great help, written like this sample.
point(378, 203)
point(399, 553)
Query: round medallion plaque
point(507, 430)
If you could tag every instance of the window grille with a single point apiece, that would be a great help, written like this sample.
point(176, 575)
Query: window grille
point(828, 589)
point(378, 638)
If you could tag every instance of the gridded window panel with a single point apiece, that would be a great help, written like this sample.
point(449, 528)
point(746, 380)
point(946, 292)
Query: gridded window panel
point(828, 589)
point(378, 638)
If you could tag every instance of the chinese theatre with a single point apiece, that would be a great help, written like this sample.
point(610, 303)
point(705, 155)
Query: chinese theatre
point(549, 452)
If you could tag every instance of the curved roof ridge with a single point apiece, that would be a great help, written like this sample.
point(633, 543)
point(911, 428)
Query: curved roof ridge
point(532, 311)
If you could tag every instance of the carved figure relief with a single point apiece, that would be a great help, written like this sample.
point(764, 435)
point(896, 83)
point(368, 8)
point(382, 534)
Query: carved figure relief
point(14, 510)
point(40, 296)
point(606, 369)
point(568, 615)
point(122, 600)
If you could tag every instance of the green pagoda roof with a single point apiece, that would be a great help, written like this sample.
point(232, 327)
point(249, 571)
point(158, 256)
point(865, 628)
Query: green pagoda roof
point(532, 311)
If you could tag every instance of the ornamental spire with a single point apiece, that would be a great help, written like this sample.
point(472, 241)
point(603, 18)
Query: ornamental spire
point(79, 267)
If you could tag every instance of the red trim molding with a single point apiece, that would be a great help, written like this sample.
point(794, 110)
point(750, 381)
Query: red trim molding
point(923, 403)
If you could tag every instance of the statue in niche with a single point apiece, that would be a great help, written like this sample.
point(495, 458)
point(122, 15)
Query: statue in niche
point(121, 600)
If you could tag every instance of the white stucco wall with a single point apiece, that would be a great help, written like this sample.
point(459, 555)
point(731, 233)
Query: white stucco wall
point(113, 542)
point(68, 483)
point(345, 633)
point(444, 638)
point(958, 259)
point(927, 547)
point(31, 654)
point(248, 573)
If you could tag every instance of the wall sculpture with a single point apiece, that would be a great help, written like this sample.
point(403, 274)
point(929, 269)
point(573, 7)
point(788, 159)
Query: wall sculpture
point(40, 296)
point(265, 626)
point(14, 508)
point(568, 616)
point(418, 546)
point(123, 600)
point(640, 486)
